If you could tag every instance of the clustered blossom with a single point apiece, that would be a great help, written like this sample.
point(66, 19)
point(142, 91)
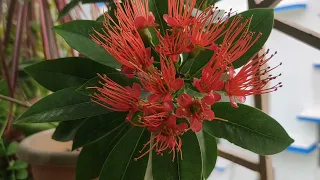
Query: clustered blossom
point(162, 102)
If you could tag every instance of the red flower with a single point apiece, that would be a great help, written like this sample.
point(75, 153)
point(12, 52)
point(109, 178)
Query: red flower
point(194, 110)
point(117, 98)
point(167, 136)
point(211, 80)
point(179, 13)
point(161, 84)
point(134, 13)
point(127, 48)
point(251, 79)
point(237, 40)
point(208, 28)
point(173, 44)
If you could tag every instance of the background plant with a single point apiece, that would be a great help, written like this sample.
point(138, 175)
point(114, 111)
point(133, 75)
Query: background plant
point(26, 38)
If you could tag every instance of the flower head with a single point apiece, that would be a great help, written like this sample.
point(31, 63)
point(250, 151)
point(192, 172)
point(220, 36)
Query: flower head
point(161, 84)
point(194, 110)
point(166, 136)
point(173, 44)
point(208, 27)
point(251, 79)
point(211, 79)
point(117, 98)
point(237, 40)
point(126, 47)
point(179, 13)
point(134, 14)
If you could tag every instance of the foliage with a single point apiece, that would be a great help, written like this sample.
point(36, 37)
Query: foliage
point(16, 169)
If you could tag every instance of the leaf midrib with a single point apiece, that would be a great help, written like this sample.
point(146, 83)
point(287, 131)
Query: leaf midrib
point(104, 127)
point(133, 151)
point(57, 109)
point(262, 134)
point(68, 75)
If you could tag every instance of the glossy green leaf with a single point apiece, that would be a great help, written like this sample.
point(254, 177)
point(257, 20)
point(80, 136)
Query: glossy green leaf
point(190, 168)
point(21, 174)
point(93, 156)
point(117, 77)
point(209, 152)
point(120, 163)
point(159, 8)
point(77, 35)
point(67, 130)
point(18, 164)
point(12, 148)
point(199, 62)
point(97, 127)
point(63, 73)
point(63, 105)
point(65, 11)
point(248, 128)
point(262, 21)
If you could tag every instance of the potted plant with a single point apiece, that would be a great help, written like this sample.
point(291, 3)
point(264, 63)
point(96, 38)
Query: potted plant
point(145, 100)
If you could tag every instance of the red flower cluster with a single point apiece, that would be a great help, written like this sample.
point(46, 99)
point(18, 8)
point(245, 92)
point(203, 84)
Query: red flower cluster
point(168, 111)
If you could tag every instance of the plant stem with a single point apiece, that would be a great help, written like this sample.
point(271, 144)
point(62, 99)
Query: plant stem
point(15, 101)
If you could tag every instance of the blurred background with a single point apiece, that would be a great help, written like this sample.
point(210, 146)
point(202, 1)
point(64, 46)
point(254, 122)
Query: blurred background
point(26, 38)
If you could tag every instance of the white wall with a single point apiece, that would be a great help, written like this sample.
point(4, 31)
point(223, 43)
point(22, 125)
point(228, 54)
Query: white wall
point(298, 92)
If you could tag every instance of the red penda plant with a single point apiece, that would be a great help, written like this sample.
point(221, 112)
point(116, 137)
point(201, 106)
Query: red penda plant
point(151, 81)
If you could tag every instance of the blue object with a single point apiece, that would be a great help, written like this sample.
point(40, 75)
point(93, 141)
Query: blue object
point(309, 119)
point(291, 7)
point(302, 150)
point(317, 66)
point(101, 4)
point(219, 169)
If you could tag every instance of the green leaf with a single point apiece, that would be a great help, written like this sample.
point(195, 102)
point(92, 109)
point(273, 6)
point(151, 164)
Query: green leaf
point(18, 164)
point(117, 77)
point(63, 73)
point(93, 156)
point(190, 168)
point(248, 128)
point(77, 35)
point(120, 163)
point(29, 129)
point(21, 174)
point(63, 105)
point(72, 4)
point(262, 21)
point(209, 152)
point(199, 62)
point(12, 148)
point(97, 127)
point(67, 130)
point(159, 8)
point(100, 18)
